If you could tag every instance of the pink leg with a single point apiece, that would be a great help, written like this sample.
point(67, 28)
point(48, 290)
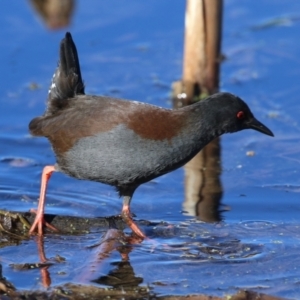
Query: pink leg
point(39, 219)
point(128, 219)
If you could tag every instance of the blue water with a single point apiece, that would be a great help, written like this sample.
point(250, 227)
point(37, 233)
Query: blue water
point(134, 50)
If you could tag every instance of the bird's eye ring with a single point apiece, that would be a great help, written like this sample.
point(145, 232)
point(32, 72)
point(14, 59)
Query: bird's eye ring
point(240, 115)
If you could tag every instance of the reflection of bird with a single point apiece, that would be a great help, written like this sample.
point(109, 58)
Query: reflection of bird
point(125, 143)
point(122, 276)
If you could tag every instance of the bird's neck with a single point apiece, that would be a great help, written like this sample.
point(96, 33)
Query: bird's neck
point(203, 123)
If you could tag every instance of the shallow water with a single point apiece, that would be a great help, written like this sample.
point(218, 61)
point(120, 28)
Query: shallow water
point(134, 51)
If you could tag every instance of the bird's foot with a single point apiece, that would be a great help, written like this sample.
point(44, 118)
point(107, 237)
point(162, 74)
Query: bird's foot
point(39, 222)
point(127, 217)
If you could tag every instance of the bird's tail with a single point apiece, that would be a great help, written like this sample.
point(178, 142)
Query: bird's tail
point(66, 82)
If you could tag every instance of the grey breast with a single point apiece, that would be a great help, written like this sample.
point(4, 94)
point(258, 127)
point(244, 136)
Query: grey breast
point(121, 156)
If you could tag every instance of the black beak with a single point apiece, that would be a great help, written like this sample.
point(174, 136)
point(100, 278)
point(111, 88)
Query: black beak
point(256, 125)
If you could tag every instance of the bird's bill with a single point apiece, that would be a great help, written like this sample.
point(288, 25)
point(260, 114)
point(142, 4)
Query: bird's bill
point(258, 126)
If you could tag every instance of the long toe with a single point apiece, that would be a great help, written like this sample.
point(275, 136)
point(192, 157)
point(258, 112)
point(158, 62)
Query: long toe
point(38, 224)
point(126, 215)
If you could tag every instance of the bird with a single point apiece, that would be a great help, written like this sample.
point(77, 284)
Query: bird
point(125, 143)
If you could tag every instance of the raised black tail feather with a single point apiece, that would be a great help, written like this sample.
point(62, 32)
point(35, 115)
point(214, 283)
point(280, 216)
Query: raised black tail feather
point(67, 81)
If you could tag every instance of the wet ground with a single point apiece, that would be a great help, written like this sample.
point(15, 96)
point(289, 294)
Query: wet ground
point(133, 50)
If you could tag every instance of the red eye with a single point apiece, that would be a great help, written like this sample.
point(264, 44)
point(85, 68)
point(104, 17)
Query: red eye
point(240, 115)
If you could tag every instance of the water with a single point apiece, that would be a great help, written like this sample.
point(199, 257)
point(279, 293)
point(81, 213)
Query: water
point(134, 51)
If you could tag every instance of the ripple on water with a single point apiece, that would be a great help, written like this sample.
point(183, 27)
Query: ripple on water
point(18, 162)
point(255, 225)
point(200, 243)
